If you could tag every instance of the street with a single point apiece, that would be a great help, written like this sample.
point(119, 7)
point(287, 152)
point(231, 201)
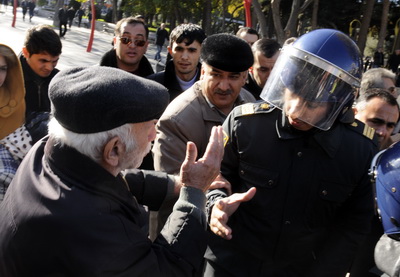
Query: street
point(75, 43)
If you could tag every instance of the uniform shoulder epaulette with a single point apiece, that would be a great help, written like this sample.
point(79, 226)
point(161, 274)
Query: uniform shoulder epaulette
point(253, 108)
point(364, 129)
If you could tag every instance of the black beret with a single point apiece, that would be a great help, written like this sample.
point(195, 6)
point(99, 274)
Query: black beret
point(227, 52)
point(98, 98)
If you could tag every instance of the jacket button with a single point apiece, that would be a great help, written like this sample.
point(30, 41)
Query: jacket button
point(270, 182)
point(242, 172)
point(324, 192)
point(287, 222)
point(299, 154)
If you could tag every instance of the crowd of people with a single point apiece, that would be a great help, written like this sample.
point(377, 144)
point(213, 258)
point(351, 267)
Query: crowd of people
point(243, 157)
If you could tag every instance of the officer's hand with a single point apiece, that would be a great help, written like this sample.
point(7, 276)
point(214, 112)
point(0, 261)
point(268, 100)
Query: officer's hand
point(201, 173)
point(221, 182)
point(224, 208)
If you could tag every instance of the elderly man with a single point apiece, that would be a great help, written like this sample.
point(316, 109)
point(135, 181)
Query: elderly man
point(130, 44)
point(378, 78)
point(72, 212)
point(191, 116)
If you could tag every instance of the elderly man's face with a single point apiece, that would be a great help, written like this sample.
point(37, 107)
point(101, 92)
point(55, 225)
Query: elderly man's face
point(222, 87)
point(129, 55)
point(144, 133)
point(302, 114)
point(381, 116)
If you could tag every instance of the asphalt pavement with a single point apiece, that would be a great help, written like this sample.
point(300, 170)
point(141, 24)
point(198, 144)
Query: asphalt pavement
point(75, 43)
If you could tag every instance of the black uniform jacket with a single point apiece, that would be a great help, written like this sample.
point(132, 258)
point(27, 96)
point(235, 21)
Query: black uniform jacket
point(64, 215)
point(314, 200)
point(168, 79)
point(110, 59)
point(36, 89)
point(253, 87)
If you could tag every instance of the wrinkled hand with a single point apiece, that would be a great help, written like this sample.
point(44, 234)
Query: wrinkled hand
point(224, 208)
point(221, 182)
point(201, 173)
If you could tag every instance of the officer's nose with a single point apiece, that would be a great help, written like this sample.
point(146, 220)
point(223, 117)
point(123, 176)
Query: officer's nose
point(294, 107)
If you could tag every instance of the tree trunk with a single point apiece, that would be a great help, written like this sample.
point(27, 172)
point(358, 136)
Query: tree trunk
point(366, 20)
point(384, 21)
point(60, 4)
point(261, 18)
point(314, 19)
point(206, 25)
point(280, 35)
point(291, 25)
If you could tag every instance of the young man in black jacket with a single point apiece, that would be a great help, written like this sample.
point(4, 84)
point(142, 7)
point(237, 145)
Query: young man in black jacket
point(184, 69)
point(40, 55)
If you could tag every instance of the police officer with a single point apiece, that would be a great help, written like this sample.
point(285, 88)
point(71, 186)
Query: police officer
point(298, 166)
point(386, 172)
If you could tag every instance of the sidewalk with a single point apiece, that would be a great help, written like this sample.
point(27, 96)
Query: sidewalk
point(74, 44)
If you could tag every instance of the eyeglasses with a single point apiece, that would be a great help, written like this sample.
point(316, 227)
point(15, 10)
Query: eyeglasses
point(136, 42)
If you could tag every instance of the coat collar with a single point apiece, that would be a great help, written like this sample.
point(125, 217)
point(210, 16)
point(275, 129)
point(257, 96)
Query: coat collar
point(330, 141)
point(77, 170)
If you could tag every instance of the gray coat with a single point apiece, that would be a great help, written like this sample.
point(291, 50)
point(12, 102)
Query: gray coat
point(188, 118)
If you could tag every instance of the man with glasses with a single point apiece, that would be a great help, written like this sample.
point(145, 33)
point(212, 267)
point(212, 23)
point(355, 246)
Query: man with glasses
point(130, 44)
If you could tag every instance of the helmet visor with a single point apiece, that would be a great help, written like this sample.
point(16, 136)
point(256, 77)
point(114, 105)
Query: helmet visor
point(308, 88)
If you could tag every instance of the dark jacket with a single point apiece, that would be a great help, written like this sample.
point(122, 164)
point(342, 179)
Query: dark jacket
point(161, 36)
point(36, 89)
point(314, 200)
point(63, 16)
point(168, 79)
point(252, 87)
point(110, 59)
point(64, 215)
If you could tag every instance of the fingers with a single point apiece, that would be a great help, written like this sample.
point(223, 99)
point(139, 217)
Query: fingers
point(242, 197)
point(191, 152)
point(215, 145)
point(218, 221)
point(191, 155)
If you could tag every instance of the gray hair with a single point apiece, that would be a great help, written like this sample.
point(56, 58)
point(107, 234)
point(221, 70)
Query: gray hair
point(91, 145)
point(373, 78)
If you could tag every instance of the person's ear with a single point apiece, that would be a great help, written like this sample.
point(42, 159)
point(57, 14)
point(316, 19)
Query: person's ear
point(25, 52)
point(112, 152)
point(202, 72)
point(355, 110)
point(251, 70)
